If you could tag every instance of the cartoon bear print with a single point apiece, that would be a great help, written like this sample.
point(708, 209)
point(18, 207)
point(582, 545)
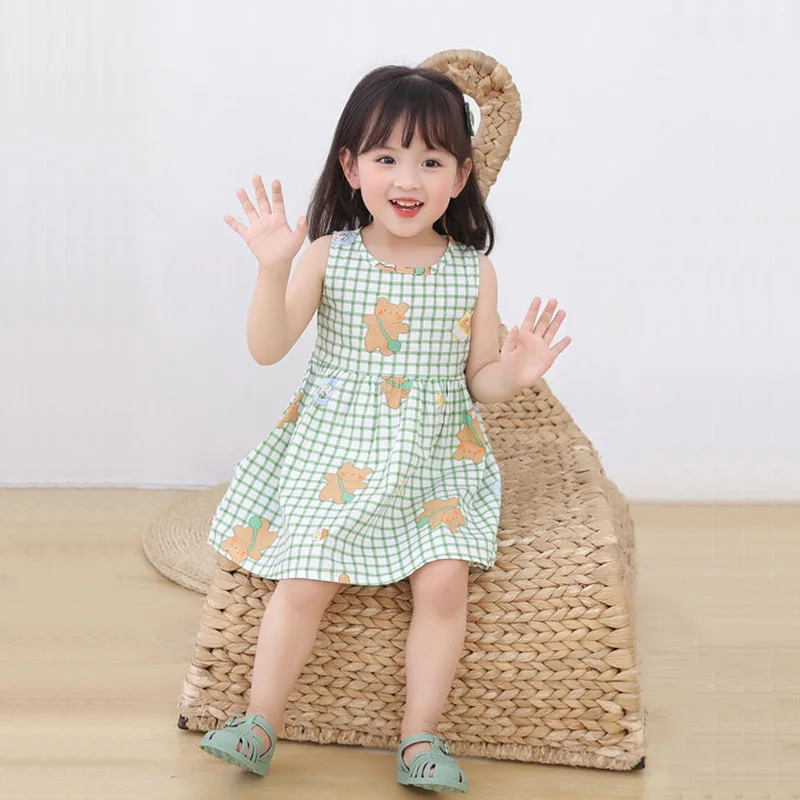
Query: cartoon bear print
point(442, 512)
point(396, 388)
point(384, 326)
point(342, 484)
point(291, 412)
point(404, 270)
point(250, 540)
point(473, 445)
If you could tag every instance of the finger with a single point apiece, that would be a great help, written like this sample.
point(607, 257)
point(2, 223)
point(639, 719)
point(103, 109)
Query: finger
point(530, 317)
point(277, 198)
point(261, 195)
point(547, 315)
point(235, 224)
point(561, 346)
point(552, 330)
point(302, 228)
point(252, 215)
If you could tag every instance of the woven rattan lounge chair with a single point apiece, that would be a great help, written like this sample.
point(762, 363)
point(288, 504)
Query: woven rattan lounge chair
point(549, 671)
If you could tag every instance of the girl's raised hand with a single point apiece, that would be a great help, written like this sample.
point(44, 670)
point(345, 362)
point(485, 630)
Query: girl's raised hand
point(269, 237)
point(526, 354)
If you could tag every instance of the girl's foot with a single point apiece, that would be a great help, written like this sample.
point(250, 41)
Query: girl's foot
point(424, 761)
point(248, 742)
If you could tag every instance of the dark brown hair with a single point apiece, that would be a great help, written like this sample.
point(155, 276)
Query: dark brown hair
point(428, 101)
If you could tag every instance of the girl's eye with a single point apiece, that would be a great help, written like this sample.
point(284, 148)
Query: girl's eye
point(432, 161)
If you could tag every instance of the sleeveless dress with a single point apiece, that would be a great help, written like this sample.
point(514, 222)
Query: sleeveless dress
point(379, 463)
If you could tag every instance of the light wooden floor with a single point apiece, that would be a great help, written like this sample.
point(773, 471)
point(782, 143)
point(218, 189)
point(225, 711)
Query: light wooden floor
point(95, 643)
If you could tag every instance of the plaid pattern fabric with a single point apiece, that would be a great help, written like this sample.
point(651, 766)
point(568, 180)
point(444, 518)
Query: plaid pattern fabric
point(379, 463)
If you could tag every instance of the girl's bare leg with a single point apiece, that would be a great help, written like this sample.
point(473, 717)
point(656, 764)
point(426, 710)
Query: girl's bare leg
point(285, 641)
point(434, 645)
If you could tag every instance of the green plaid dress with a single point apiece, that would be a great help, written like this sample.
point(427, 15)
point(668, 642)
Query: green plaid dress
point(379, 462)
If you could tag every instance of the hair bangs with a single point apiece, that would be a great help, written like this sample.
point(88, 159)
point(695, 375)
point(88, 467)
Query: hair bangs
point(419, 110)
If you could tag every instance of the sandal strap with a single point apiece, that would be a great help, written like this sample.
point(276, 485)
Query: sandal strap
point(434, 741)
point(251, 719)
point(252, 747)
point(252, 740)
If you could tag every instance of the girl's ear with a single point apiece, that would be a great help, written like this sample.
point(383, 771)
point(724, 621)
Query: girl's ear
point(350, 168)
point(461, 177)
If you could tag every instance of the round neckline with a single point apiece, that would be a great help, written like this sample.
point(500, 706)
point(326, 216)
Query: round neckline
point(433, 267)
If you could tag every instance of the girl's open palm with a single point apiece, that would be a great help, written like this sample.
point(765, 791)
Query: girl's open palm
point(269, 237)
point(526, 354)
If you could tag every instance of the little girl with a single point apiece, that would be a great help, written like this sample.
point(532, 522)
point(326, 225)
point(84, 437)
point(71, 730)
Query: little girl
point(379, 468)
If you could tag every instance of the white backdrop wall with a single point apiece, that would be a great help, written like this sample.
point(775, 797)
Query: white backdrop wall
point(652, 189)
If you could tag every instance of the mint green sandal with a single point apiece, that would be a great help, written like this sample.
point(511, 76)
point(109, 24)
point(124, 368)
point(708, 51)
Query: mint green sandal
point(223, 743)
point(447, 775)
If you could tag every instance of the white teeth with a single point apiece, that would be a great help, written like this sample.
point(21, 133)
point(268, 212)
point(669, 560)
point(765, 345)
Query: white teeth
point(405, 204)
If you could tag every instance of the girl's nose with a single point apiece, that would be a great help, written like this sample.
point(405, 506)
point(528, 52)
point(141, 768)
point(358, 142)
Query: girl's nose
point(407, 181)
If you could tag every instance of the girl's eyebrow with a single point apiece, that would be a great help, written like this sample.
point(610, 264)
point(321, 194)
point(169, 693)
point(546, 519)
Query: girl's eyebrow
point(389, 147)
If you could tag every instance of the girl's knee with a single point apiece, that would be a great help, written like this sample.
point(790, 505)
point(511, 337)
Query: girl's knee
point(441, 586)
point(306, 592)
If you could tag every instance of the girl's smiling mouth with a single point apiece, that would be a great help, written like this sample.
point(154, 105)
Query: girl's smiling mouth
point(406, 208)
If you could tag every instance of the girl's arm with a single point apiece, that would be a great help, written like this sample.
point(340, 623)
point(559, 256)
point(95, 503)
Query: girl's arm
point(278, 315)
point(485, 380)
point(496, 377)
point(527, 353)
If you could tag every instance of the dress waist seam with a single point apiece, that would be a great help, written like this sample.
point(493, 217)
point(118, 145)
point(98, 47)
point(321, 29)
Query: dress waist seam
point(320, 367)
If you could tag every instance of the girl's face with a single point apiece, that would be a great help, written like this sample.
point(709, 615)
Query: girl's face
point(390, 173)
